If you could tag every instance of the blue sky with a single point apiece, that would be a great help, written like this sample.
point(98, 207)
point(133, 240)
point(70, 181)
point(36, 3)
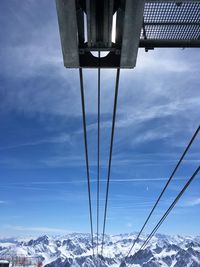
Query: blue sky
point(42, 166)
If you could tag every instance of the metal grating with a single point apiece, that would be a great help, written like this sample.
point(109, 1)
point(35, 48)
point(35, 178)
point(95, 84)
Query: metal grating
point(171, 21)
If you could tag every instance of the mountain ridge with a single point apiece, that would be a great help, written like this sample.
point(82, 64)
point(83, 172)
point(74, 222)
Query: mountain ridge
point(75, 249)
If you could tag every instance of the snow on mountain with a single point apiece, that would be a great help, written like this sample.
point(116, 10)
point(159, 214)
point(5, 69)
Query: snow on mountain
point(76, 250)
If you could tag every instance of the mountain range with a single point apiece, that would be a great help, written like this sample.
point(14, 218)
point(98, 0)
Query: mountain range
point(76, 250)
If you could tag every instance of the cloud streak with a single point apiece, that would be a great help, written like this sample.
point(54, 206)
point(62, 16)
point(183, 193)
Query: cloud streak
point(36, 229)
point(191, 202)
point(63, 138)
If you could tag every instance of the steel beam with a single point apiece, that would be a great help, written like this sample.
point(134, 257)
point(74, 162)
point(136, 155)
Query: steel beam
point(172, 1)
point(156, 43)
point(68, 32)
point(99, 22)
point(172, 24)
point(132, 25)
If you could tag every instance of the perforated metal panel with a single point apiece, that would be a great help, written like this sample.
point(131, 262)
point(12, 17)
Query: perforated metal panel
point(167, 21)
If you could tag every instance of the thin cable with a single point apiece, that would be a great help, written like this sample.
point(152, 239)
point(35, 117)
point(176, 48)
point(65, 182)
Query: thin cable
point(110, 155)
point(169, 180)
point(86, 154)
point(168, 211)
point(98, 152)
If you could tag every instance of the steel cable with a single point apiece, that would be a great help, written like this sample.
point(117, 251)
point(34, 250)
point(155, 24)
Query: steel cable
point(165, 187)
point(98, 152)
point(86, 154)
point(110, 155)
point(168, 211)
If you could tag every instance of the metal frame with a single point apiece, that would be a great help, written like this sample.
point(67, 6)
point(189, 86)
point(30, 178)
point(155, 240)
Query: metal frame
point(86, 26)
point(171, 24)
point(77, 50)
point(66, 11)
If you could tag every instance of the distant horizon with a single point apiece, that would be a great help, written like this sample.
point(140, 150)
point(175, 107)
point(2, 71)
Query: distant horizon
point(29, 237)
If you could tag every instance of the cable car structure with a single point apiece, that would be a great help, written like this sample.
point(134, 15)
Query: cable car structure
point(87, 26)
point(103, 34)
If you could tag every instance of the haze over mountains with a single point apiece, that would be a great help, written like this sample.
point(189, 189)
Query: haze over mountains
point(76, 250)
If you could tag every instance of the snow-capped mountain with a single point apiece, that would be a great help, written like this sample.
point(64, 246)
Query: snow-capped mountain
point(76, 250)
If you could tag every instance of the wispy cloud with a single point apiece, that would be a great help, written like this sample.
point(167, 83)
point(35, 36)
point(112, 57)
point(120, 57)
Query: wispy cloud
point(155, 111)
point(36, 229)
point(31, 185)
point(129, 225)
point(63, 161)
point(3, 202)
point(191, 202)
point(165, 62)
point(63, 138)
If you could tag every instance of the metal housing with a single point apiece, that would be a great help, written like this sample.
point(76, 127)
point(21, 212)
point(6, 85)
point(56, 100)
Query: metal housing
point(86, 27)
